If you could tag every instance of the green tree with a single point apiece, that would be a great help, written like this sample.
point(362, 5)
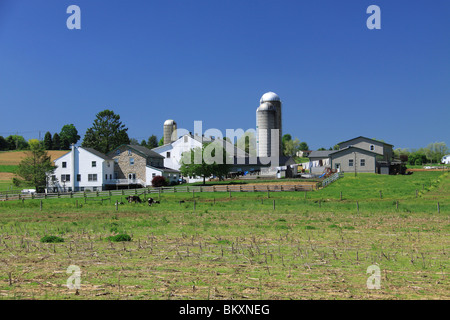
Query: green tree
point(134, 142)
point(56, 142)
point(303, 146)
point(247, 142)
point(152, 142)
point(68, 135)
point(16, 142)
point(48, 142)
point(144, 143)
point(291, 147)
point(106, 133)
point(3, 144)
point(161, 142)
point(204, 162)
point(435, 151)
point(34, 168)
point(336, 147)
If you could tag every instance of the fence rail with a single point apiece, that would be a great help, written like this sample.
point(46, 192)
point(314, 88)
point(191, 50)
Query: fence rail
point(148, 191)
point(332, 178)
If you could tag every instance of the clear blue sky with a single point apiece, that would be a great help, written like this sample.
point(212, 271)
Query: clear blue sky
point(212, 60)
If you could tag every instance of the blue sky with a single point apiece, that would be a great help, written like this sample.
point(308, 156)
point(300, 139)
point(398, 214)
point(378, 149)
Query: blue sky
point(212, 60)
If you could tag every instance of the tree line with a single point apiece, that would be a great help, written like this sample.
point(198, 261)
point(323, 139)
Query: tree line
point(433, 153)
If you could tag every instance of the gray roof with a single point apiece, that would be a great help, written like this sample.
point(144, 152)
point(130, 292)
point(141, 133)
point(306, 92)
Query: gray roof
point(146, 152)
point(361, 137)
point(261, 161)
point(320, 154)
point(98, 153)
point(352, 147)
point(165, 169)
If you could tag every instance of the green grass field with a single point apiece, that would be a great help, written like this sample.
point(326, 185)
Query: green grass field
point(313, 247)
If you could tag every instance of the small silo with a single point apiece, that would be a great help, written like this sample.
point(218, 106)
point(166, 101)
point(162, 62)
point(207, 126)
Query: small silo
point(265, 122)
point(170, 128)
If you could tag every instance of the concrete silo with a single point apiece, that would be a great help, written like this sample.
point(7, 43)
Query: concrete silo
point(265, 122)
point(170, 127)
point(273, 100)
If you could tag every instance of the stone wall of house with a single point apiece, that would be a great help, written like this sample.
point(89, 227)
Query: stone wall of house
point(123, 166)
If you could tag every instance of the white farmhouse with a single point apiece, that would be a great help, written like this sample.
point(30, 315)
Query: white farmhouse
point(81, 169)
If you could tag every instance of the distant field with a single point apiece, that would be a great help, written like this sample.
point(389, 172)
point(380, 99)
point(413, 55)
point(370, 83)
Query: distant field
point(9, 160)
point(14, 157)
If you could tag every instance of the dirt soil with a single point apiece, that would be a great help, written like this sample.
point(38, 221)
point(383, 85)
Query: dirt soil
point(14, 158)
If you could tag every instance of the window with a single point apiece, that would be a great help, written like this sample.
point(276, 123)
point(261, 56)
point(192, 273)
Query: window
point(78, 177)
point(363, 162)
point(372, 148)
point(82, 189)
point(168, 155)
point(116, 175)
point(92, 177)
point(109, 164)
point(110, 177)
point(131, 161)
point(153, 175)
point(94, 164)
point(129, 152)
point(118, 152)
point(53, 178)
point(65, 177)
point(350, 162)
point(132, 176)
point(106, 177)
point(64, 164)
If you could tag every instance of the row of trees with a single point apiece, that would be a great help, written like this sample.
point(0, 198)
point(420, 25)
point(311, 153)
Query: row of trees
point(433, 153)
point(13, 142)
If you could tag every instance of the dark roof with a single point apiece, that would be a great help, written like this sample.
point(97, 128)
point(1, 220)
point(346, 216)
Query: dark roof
point(146, 152)
point(366, 139)
point(165, 169)
point(320, 154)
point(260, 161)
point(98, 153)
point(351, 147)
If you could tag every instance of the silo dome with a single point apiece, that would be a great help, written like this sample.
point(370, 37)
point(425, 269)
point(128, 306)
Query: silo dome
point(169, 122)
point(269, 96)
point(266, 107)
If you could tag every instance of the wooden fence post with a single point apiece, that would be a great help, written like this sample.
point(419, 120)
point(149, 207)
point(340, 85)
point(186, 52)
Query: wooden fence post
point(273, 204)
point(40, 206)
point(438, 207)
point(396, 204)
point(381, 195)
point(357, 206)
point(340, 196)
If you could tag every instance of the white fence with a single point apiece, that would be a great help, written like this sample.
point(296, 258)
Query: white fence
point(331, 179)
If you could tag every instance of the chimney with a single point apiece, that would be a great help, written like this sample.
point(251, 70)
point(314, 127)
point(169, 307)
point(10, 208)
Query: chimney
point(73, 175)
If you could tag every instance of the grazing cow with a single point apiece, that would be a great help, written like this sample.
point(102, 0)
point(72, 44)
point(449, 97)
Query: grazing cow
point(152, 201)
point(134, 199)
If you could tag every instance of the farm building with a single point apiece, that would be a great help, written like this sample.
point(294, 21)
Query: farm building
point(137, 166)
point(172, 152)
point(360, 154)
point(81, 169)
